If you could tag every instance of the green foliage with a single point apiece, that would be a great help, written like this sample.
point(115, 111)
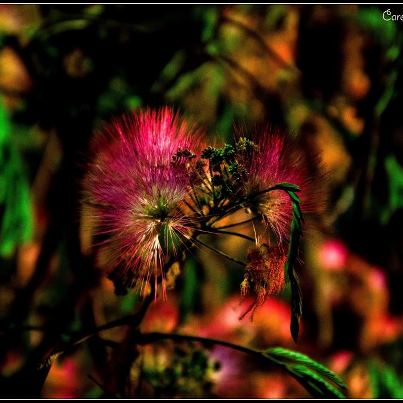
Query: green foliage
point(246, 146)
point(371, 19)
point(316, 378)
point(294, 356)
point(117, 96)
point(188, 375)
point(395, 180)
point(190, 289)
point(128, 302)
point(385, 382)
point(15, 206)
point(209, 17)
point(295, 235)
point(217, 156)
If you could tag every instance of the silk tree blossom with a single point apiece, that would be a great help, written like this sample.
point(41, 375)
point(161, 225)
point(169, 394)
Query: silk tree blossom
point(274, 170)
point(155, 189)
point(272, 161)
point(263, 174)
point(139, 192)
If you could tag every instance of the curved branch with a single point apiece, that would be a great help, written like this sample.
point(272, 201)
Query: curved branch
point(262, 43)
point(152, 337)
point(296, 365)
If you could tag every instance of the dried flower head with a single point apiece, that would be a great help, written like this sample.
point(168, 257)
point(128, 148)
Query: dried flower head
point(137, 183)
point(264, 274)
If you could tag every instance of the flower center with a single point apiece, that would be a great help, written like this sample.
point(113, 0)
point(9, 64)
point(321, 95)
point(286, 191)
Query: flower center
point(158, 209)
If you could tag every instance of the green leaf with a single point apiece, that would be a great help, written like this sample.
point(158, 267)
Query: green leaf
point(306, 375)
point(288, 187)
point(300, 358)
point(289, 267)
point(318, 380)
point(296, 295)
point(295, 199)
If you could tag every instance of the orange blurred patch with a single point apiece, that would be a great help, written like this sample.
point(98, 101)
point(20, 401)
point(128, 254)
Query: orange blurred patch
point(27, 257)
point(356, 83)
point(14, 77)
point(358, 382)
point(162, 316)
point(63, 381)
point(333, 155)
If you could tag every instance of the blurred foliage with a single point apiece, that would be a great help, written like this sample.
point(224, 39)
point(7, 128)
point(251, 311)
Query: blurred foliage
point(15, 205)
point(188, 375)
point(331, 75)
point(385, 382)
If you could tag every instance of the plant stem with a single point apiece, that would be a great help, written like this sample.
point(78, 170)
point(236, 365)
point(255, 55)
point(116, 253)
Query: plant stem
point(219, 252)
point(217, 231)
point(152, 337)
point(236, 224)
point(248, 238)
point(238, 203)
point(231, 209)
point(131, 320)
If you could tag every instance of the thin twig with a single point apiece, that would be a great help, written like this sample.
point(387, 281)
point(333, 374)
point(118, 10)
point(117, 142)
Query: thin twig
point(230, 210)
point(152, 337)
point(218, 231)
point(219, 252)
point(237, 223)
point(270, 51)
point(130, 320)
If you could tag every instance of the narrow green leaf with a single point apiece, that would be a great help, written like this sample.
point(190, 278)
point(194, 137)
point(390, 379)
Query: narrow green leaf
point(288, 187)
point(296, 295)
point(294, 197)
point(309, 362)
point(307, 375)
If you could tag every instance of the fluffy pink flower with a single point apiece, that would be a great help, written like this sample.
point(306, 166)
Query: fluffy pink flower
point(274, 160)
point(137, 188)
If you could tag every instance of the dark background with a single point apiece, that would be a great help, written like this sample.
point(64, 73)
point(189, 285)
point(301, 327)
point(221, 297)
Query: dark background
point(329, 75)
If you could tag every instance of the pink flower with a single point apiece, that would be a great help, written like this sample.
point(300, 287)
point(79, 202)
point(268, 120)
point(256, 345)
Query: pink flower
point(266, 160)
point(273, 160)
point(137, 183)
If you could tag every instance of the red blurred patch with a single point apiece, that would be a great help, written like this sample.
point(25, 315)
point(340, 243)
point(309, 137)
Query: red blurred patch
point(340, 361)
point(64, 380)
point(269, 325)
point(162, 316)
